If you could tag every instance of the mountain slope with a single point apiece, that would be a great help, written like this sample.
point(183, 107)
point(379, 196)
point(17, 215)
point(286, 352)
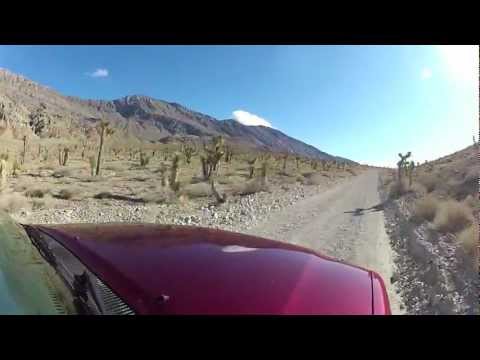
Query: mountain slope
point(28, 106)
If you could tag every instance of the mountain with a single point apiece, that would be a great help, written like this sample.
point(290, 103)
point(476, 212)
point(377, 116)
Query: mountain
point(29, 107)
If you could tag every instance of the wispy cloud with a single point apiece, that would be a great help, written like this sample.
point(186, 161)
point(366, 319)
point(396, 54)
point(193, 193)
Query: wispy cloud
point(426, 73)
point(246, 118)
point(99, 73)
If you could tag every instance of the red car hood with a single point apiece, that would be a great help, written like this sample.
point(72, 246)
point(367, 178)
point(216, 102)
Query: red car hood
point(159, 269)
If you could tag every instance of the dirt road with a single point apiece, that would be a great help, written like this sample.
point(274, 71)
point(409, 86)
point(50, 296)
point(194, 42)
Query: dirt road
point(345, 222)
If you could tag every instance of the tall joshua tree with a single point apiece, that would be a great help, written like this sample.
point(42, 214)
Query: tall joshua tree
point(402, 163)
point(104, 130)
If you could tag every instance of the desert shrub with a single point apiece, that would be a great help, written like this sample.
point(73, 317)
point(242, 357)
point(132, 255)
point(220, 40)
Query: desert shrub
point(425, 209)
point(62, 173)
point(139, 178)
point(284, 173)
point(466, 186)
point(472, 202)
point(159, 196)
point(223, 180)
point(315, 179)
point(66, 194)
point(430, 181)
point(387, 180)
point(352, 172)
point(37, 192)
point(38, 204)
point(197, 190)
point(418, 188)
point(89, 179)
point(468, 239)
point(251, 187)
point(114, 167)
point(452, 217)
point(397, 189)
point(300, 179)
point(43, 203)
point(13, 202)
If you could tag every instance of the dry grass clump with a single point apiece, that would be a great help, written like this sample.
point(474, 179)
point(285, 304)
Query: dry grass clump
point(197, 190)
point(90, 179)
point(472, 202)
point(115, 167)
point(467, 185)
point(397, 189)
point(250, 187)
point(452, 217)
point(37, 192)
point(425, 209)
point(140, 178)
point(13, 202)
point(160, 197)
point(44, 203)
point(315, 179)
point(387, 180)
point(469, 240)
point(62, 173)
point(418, 188)
point(47, 167)
point(429, 181)
point(68, 194)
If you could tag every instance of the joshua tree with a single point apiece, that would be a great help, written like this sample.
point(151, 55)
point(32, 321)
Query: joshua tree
point(15, 167)
point(45, 154)
point(103, 130)
point(63, 156)
point(220, 198)
point(162, 170)
point(263, 173)
point(144, 159)
point(24, 153)
point(188, 150)
point(297, 161)
point(228, 154)
point(174, 184)
point(402, 163)
point(93, 165)
point(411, 167)
point(285, 157)
point(212, 157)
point(3, 172)
point(324, 165)
point(2, 113)
point(251, 164)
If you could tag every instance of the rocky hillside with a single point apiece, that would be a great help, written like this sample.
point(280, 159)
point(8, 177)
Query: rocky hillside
point(27, 107)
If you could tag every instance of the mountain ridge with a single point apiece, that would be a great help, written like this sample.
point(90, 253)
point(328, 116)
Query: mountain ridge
point(31, 106)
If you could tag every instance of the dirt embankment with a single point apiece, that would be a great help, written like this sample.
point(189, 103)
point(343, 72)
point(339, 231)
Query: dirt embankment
point(433, 273)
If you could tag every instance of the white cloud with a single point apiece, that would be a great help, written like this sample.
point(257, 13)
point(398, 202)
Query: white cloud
point(426, 73)
point(461, 60)
point(99, 73)
point(246, 118)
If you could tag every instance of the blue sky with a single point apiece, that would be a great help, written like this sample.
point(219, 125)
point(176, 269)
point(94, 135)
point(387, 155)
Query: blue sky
point(366, 103)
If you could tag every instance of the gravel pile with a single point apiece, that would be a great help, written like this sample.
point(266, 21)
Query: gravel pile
point(238, 213)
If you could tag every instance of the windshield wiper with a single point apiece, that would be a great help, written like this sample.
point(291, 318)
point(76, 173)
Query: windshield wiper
point(80, 286)
point(41, 245)
point(82, 290)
